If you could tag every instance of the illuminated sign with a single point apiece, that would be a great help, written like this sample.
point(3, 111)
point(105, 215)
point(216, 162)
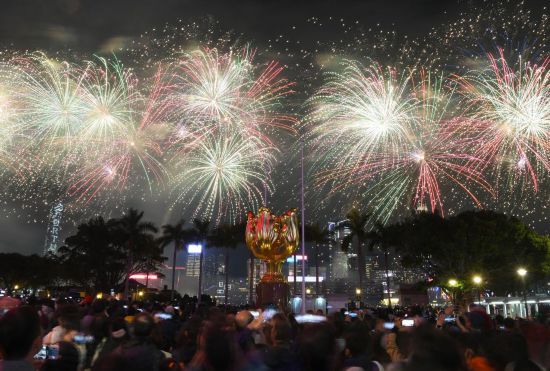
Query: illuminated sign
point(298, 258)
point(307, 279)
point(194, 249)
point(143, 276)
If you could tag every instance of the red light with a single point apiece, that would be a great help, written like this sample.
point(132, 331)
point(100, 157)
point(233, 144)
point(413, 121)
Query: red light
point(143, 276)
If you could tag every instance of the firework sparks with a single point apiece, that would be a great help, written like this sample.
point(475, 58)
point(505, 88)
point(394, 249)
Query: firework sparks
point(223, 175)
point(509, 119)
point(405, 148)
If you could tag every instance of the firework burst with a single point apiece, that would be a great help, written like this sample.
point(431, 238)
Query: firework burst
point(390, 141)
point(214, 90)
point(223, 175)
point(509, 119)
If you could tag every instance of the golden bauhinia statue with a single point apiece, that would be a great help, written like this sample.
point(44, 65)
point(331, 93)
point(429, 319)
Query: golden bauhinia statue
point(272, 239)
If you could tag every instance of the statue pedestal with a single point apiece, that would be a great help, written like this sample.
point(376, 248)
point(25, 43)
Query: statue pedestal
point(273, 294)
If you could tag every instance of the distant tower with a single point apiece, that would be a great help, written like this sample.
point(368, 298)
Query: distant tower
point(54, 229)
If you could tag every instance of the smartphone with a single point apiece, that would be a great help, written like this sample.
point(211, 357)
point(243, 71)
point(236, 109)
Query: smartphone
point(52, 351)
point(41, 355)
point(163, 315)
point(268, 314)
point(389, 325)
point(450, 319)
point(83, 339)
point(310, 318)
point(352, 315)
point(407, 322)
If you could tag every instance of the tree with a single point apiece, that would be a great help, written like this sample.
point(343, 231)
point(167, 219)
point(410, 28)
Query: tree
point(316, 235)
point(358, 231)
point(227, 237)
point(487, 243)
point(29, 271)
point(201, 229)
point(91, 257)
point(135, 236)
point(177, 235)
point(377, 237)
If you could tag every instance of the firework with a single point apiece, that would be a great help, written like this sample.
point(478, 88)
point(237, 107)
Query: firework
point(223, 175)
point(214, 90)
point(123, 135)
point(435, 158)
point(509, 118)
point(390, 140)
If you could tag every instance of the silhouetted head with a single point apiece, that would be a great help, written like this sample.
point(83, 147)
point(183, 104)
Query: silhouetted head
point(143, 325)
point(19, 331)
point(317, 347)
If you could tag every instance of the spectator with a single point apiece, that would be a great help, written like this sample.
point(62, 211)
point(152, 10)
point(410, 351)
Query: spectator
point(68, 319)
point(356, 353)
point(187, 341)
point(317, 347)
point(19, 339)
point(434, 351)
point(67, 359)
point(141, 349)
point(217, 351)
point(280, 355)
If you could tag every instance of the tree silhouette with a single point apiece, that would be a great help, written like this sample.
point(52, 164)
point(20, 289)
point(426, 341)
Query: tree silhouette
point(487, 243)
point(357, 223)
point(92, 258)
point(377, 237)
point(134, 235)
point(316, 235)
point(177, 235)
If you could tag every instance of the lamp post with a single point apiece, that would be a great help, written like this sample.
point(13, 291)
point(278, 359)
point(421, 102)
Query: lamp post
point(522, 272)
point(303, 234)
point(358, 297)
point(477, 281)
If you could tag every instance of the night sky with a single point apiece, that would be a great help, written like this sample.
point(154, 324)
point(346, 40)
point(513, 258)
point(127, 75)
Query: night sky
point(86, 27)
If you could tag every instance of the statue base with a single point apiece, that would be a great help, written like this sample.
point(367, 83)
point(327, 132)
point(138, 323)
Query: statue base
point(273, 294)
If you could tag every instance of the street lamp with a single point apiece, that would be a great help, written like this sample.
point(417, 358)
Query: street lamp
point(522, 272)
point(358, 292)
point(308, 291)
point(477, 281)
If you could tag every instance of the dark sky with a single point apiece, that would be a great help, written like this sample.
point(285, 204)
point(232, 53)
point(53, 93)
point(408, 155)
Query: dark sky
point(85, 26)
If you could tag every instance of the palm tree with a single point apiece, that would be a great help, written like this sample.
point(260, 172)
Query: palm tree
point(228, 237)
point(134, 234)
point(358, 230)
point(377, 238)
point(200, 231)
point(316, 235)
point(178, 235)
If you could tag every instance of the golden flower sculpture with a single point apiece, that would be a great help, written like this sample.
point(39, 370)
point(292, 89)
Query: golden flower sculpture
point(272, 239)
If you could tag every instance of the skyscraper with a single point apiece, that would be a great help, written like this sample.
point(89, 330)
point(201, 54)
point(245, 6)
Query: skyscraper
point(54, 229)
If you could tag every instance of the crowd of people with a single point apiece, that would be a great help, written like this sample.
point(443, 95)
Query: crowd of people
point(110, 335)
